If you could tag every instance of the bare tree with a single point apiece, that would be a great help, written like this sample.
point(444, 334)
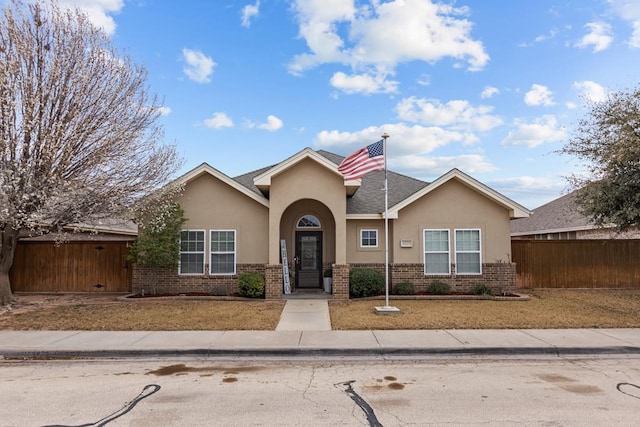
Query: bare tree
point(78, 132)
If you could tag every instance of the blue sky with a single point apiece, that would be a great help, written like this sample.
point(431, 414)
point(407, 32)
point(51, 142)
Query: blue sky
point(492, 88)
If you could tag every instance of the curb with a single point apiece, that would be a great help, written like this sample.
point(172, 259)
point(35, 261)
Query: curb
point(384, 353)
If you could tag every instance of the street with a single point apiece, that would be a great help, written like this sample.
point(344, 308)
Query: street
point(173, 392)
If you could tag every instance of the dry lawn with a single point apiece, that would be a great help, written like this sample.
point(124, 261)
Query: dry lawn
point(108, 313)
point(546, 309)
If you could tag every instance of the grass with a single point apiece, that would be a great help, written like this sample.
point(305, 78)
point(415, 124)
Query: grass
point(176, 315)
point(546, 309)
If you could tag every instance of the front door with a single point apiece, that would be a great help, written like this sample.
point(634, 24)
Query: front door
point(308, 259)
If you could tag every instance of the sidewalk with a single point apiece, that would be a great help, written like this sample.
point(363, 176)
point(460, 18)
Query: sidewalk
point(304, 331)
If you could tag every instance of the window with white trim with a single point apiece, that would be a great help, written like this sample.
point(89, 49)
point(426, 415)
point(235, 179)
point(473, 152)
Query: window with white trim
point(436, 252)
point(468, 256)
point(223, 252)
point(191, 252)
point(369, 238)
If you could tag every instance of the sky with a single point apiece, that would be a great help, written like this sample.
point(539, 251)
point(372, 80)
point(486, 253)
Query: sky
point(493, 88)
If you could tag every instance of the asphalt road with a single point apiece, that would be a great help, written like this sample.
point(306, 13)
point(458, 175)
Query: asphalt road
point(185, 392)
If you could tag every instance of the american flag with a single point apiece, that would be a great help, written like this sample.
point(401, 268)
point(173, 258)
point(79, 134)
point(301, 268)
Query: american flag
point(360, 163)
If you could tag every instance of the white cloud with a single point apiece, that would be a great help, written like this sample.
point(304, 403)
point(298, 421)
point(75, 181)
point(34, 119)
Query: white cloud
point(629, 10)
point(531, 191)
point(199, 66)
point(164, 111)
point(98, 11)
point(424, 80)
point(539, 39)
point(543, 130)
point(591, 91)
point(489, 91)
point(363, 83)
point(539, 95)
point(458, 114)
point(434, 166)
point(384, 34)
point(219, 121)
point(634, 40)
point(272, 124)
point(599, 36)
point(250, 11)
point(404, 140)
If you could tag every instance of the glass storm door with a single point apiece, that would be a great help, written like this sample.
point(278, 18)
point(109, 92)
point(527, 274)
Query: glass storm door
point(308, 259)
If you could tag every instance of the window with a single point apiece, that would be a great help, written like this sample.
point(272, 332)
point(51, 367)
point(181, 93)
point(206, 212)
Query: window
point(191, 252)
point(468, 259)
point(223, 252)
point(436, 252)
point(369, 238)
point(308, 221)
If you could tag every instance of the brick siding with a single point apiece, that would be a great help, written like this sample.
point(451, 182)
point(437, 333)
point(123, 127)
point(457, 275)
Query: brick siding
point(169, 281)
point(500, 277)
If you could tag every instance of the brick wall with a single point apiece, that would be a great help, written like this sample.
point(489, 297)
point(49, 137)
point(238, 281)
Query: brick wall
point(274, 284)
point(340, 285)
point(169, 281)
point(500, 277)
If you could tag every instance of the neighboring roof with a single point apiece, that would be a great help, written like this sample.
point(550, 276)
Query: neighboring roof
point(559, 215)
point(106, 229)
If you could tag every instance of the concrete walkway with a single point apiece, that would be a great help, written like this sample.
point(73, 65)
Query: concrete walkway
point(305, 315)
point(305, 331)
point(290, 344)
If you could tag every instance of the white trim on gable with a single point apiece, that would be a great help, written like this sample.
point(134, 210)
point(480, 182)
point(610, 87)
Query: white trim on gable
point(206, 168)
point(263, 181)
point(515, 210)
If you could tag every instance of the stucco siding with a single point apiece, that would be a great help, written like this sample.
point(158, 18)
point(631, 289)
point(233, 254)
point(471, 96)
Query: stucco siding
point(452, 206)
point(307, 180)
point(210, 204)
point(362, 255)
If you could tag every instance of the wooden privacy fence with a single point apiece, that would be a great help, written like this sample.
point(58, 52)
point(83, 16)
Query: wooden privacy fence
point(577, 263)
point(71, 267)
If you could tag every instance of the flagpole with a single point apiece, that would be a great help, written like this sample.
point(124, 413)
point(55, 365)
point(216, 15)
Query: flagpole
point(386, 223)
point(386, 309)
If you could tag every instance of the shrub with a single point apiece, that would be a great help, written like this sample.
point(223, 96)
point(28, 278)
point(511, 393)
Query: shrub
point(482, 290)
point(251, 285)
point(404, 288)
point(365, 282)
point(438, 288)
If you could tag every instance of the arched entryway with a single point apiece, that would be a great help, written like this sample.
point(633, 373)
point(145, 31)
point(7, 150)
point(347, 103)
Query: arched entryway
point(308, 228)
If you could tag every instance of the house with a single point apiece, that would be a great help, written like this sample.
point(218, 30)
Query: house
point(561, 219)
point(454, 229)
point(558, 247)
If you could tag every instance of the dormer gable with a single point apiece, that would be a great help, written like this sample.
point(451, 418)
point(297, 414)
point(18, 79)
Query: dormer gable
point(205, 168)
point(263, 181)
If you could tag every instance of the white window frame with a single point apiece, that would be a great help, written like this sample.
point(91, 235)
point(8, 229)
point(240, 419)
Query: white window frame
point(362, 231)
point(425, 252)
point(234, 252)
point(479, 251)
point(203, 252)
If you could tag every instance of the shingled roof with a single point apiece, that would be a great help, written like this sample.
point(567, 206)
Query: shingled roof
point(369, 199)
point(557, 216)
